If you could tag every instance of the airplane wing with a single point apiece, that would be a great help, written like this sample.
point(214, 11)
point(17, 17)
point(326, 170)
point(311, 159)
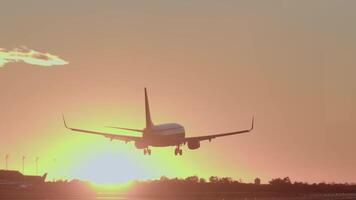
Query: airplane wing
point(111, 136)
point(210, 137)
point(127, 129)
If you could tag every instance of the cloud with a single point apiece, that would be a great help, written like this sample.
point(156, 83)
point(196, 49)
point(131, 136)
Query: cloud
point(29, 56)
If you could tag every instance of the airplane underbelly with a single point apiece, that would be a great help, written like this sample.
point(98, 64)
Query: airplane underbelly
point(164, 135)
point(165, 140)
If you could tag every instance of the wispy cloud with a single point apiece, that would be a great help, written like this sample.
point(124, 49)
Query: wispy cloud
point(23, 54)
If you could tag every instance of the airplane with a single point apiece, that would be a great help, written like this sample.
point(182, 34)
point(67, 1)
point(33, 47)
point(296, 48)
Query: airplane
point(160, 135)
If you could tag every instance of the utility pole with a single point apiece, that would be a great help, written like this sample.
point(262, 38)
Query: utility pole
point(7, 156)
point(37, 158)
point(23, 164)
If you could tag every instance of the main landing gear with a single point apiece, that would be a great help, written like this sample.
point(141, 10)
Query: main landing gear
point(178, 151)
point(147, 151)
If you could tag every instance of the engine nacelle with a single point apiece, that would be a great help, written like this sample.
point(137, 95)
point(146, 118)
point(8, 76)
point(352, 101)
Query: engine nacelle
point(140, 145)
point(193, 145)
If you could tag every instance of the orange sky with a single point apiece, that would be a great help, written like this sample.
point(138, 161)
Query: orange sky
point(209, 65)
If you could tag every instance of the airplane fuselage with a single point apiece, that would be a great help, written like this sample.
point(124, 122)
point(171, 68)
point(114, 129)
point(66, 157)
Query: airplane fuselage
point(163, 135)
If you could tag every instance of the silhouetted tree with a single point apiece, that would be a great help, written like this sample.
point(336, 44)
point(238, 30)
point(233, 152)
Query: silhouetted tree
point(194, 179)
point(202, 180)
point(226, 180)
point(164, 178)
point(257, 181)
point(279, 181)
point(213, 179)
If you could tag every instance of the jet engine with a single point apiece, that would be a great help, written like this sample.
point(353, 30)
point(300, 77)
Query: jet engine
point(193, 145)
point(140, 145)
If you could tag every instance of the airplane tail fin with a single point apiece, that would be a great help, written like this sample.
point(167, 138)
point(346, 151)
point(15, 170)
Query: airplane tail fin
point(148, 114)
point(44, 177)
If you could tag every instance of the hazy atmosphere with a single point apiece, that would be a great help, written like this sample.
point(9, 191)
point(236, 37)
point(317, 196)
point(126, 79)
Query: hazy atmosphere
point(209, 65)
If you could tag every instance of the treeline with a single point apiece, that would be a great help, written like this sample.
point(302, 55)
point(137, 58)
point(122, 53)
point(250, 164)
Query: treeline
point(194, 184)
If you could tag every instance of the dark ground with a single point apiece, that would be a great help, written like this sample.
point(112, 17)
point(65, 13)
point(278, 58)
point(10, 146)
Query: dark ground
point(188, 188)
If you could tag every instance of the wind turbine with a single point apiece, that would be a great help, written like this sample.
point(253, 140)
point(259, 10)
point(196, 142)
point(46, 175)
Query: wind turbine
point(7, 156)
point(23, 164)
point(37, 158)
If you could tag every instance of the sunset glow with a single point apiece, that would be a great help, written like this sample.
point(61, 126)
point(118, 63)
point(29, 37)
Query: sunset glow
point(208, 65)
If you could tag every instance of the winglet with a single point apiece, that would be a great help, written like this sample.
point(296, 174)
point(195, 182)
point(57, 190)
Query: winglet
point(253, 121)
point(64, 121)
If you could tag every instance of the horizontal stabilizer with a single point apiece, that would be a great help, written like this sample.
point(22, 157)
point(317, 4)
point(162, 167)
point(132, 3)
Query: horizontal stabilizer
point(111, 136)
point(127, 129)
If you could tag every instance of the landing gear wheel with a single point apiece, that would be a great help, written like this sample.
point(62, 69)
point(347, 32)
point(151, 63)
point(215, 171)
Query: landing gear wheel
point(146, 151)
point(178, 151)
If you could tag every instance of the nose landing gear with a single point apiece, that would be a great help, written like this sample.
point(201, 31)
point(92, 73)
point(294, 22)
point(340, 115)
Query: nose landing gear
point(146, 151)
point(178, 151)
